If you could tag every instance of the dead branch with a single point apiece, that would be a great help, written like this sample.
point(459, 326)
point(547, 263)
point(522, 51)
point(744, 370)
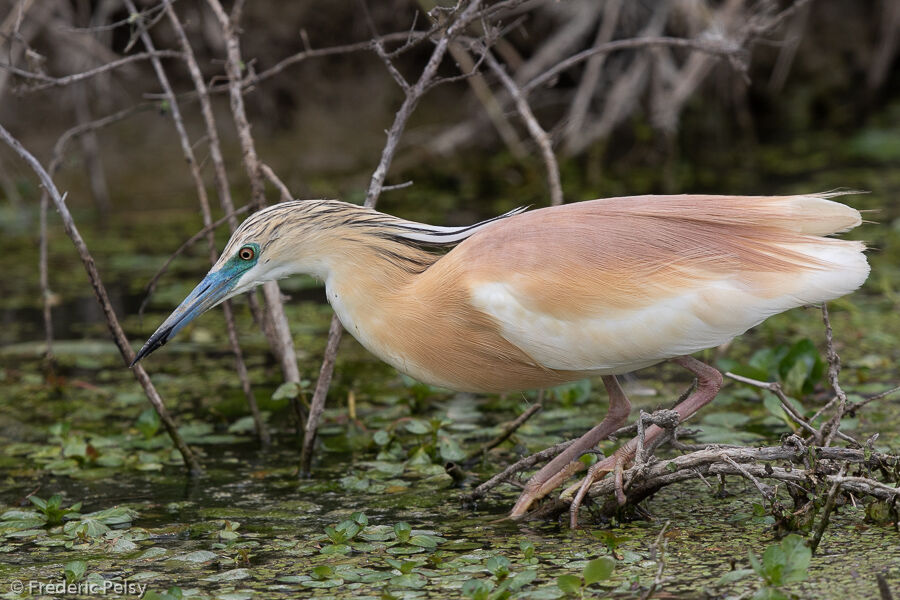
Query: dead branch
point(588, 84)
point(826, 513)
point(534, 128)
point(830, 428)
point(277, 329)
point(269, 174)
point(46, 81)
point(775, 388)
point(112, 321)
point(46, 294)
point(719, 49)
point(151, 287)
point(413, 93)
point(507, 431)
point(200, 188)
point(718, 461)
point(517, 467)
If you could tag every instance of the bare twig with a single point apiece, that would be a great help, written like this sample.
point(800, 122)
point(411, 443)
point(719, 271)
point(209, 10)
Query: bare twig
point(46, 294)
point(658, 549)
point(283, 190)
point(765, 490)
point(826, 513)
point(317, 406)
point(413, 94)
point(775, 388)
point(151, 287)
point(55, 162)
point(710, 47)
point(880, 395)
point(517, 467)
point(534, 128)
point(200, 187)
point(588, 84)
point(103, 298)
point(48, 82)
point(830, 428)
point(712, 461)
point(278, 331)
point(507, 431)
point(884, 590)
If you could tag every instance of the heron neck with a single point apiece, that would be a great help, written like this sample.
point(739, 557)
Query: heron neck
point(364, 271)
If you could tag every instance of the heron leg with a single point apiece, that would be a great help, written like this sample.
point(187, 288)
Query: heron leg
point(709, 381)
point(566, 462)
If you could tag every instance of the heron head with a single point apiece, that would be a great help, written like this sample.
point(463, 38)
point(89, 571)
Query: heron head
point(273, 243)
point(233, 273)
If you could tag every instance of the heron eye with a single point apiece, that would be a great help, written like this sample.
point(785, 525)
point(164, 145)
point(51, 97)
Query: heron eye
point(246, 253)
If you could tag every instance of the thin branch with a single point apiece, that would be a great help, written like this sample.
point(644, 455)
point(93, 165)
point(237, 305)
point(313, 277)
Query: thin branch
point(659, 546)
point(46, 294)
point(317, 406)
point(48, 82)
point(200, 187)
point(112, 321)
point(517, 467)
point(283, 190)
point(880, 395)
point(151, 287)
point(714, 48)
point(775, 388)
point(534, 128)
point(507, 431)
point(712, 461)
point(765, 490)
point(277, 328)
point(154, 12)
point(830, 428)
point(826, 513)
point(413, 94)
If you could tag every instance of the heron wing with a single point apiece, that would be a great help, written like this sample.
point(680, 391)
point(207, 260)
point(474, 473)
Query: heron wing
point(612, 285)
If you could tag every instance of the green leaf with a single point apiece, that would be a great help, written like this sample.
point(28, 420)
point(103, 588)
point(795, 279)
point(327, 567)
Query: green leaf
point(569, 584)
point(402, 531)
point(286, 391)
point(797, 557)
point(360, 518)
point(768, 593)
point(120, 515)
point(243, 425)
point(148, 423)
point(322, 572)
point(527, 548)
point(75, 570)
point(39, 502)
point(755, 564)
point(424, 541)
point(476, 589)
point(382, 437)
point(732, 576)
point(599, 569)
point(520, 580)
point(450, 449)
point(498, 566)
point(417, 426)
point(774, 561)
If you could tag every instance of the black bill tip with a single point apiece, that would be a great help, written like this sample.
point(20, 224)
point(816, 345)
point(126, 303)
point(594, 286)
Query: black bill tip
point(156, 341)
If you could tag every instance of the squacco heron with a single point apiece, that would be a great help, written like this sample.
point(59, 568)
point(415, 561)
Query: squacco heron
point(533, 299)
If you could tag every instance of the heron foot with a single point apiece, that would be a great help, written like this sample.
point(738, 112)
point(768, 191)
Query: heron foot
point(709, 381)
point(566, 463)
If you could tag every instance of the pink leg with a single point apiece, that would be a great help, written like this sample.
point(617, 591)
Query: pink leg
point(566, 462)
point(709, 381)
